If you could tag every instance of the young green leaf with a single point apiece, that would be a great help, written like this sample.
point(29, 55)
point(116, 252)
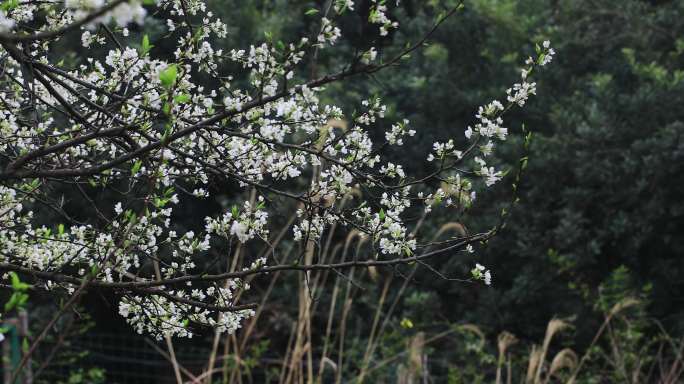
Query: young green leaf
point(146, 46)
point(9, 5)
point(136, 167)
point(168, 76)
point(167, 132)
point(182, 98)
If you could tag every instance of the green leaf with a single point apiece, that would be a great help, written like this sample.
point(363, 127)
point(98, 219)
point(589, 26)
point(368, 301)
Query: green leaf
point(406, 323)
point(382, 214)
point(11, 303)
point(311, 11)
point(167, 132)
point(342, 5)
point(146, 46)
point(23, 298)
point(541, 58)
point(9, 5)
point(166, 108)
point(15, 279)
point(438, 199)
point(17, 300)
point(168, 76)
point(198, 34)
point(160, 203)
point(17, 284)
point(136, 167)
point(182, 98)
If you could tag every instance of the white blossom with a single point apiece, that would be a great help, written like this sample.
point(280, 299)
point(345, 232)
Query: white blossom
point(144, 129)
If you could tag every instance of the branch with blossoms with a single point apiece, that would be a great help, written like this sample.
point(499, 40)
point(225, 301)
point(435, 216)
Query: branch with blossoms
point(145, 133)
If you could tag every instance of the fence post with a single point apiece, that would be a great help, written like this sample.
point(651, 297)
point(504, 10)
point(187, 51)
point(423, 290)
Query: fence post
point(12, 351)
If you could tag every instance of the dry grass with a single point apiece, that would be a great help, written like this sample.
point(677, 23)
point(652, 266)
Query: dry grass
point(319, 360)
point(313, 357)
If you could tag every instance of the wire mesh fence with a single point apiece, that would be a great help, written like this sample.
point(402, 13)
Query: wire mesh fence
point(97, 357)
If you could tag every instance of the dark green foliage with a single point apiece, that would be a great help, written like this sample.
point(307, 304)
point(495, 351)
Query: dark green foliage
point(605, 181)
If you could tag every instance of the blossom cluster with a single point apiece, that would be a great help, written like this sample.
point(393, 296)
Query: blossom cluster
point(131, 121)
point(481, 273)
